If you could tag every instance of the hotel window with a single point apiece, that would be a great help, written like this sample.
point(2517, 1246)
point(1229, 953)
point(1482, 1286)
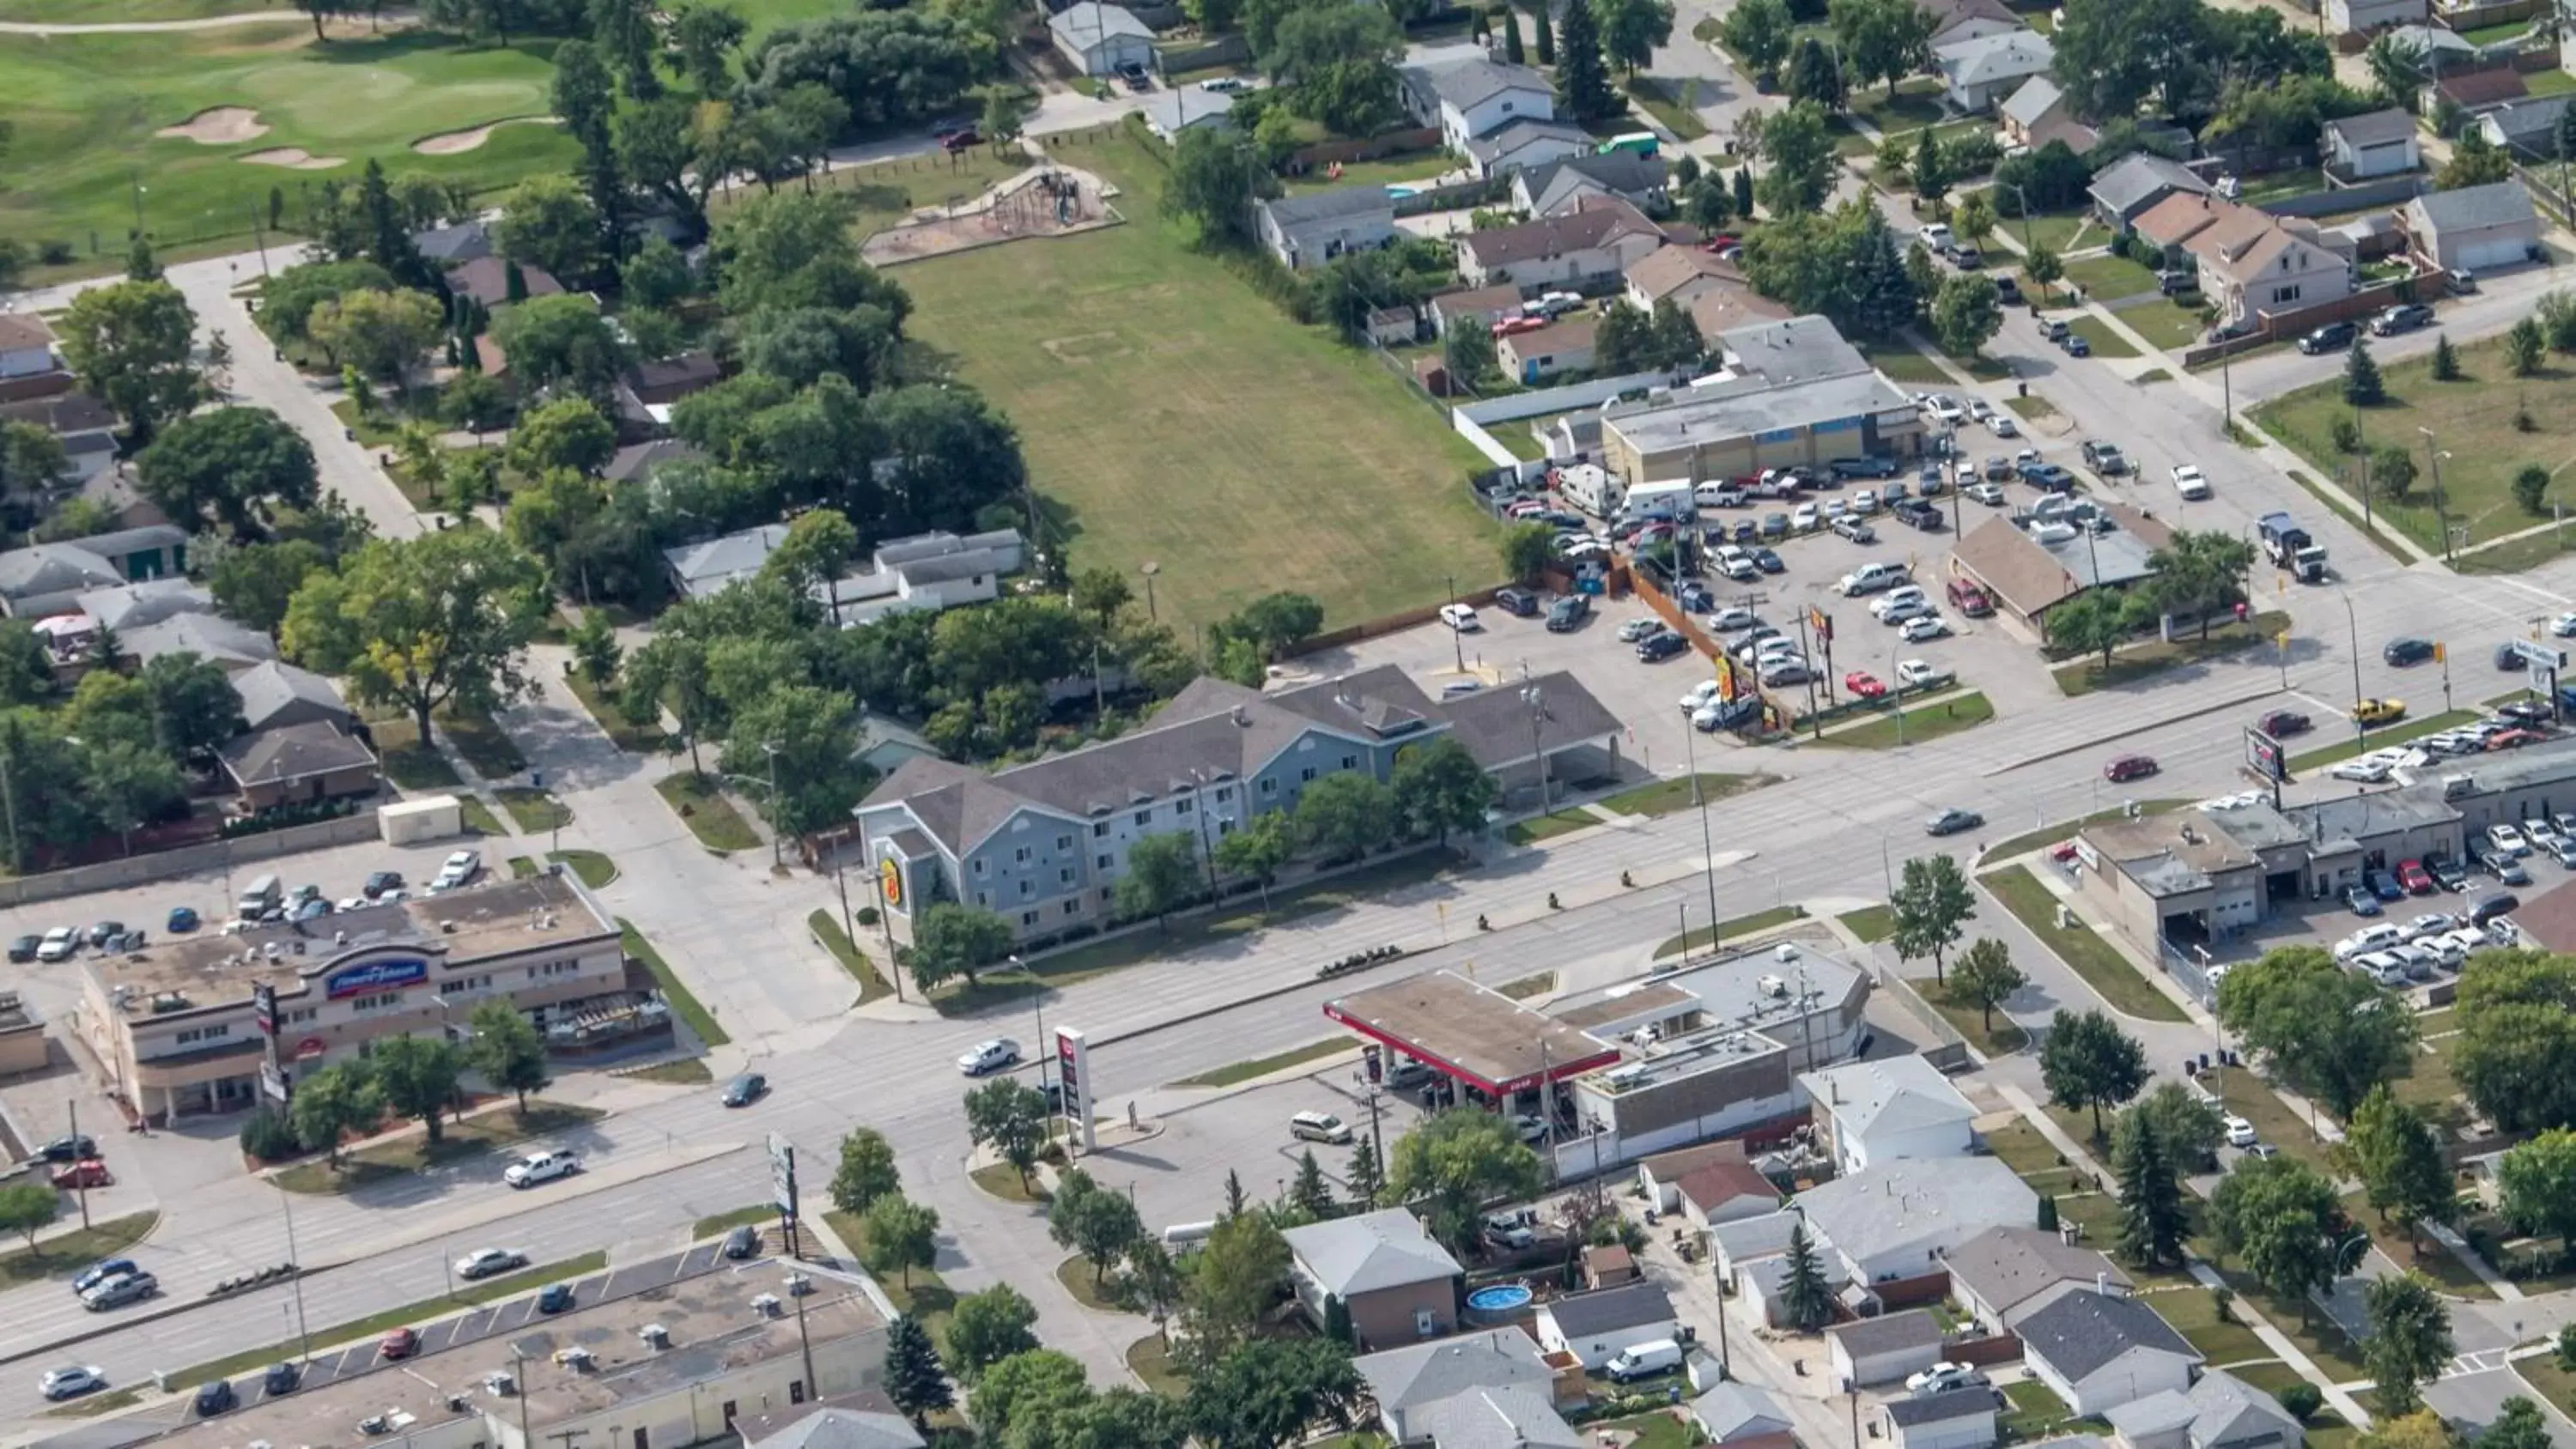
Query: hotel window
point(1306, 774)
point(1064, 842)
point(1183, 806)
point(1224, 793)
point(204, 1033)
point(1144, 817)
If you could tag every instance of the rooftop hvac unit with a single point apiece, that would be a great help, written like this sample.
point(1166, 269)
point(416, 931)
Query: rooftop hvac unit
point(765, 1304)
point(456, 1403)
point(798, 1285)
point(1773, 987)
point(1784, 952)
point(654, 1335)
point(575, 1358)
point(1629, 1076)
point(499, 1382)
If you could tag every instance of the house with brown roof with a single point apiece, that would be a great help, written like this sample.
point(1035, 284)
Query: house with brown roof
point(298, 763)
point(2477, 91)
point(1957, 20)
point(2029, 573)
point(28, 366)
point(486, 279)
point(1601, 239)
point(1725, 1192)
point(2249, 261)
point(1681, 273)
point(1543, 352)
point(1474, 307)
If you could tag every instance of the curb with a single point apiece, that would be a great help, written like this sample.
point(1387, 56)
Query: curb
point(2235, 701)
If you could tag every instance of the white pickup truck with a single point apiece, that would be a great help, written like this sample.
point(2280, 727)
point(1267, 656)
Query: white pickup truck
point(2190, 482)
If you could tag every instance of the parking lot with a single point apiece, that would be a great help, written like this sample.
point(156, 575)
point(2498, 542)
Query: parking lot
point(1178, 1175)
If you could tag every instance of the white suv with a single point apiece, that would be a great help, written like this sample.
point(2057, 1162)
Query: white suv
point(459, 869)
point(2368, 938)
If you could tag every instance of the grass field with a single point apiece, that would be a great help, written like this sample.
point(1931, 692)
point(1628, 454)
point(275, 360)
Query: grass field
point(102, 12)
point(2107, 278)
point(2145, 660)
point(1179, 419)
point(2105, 342)
point(1917, 725)
point(2473, 420)
point(1228, 1075)
point(2165, 323)
point(2096, 960)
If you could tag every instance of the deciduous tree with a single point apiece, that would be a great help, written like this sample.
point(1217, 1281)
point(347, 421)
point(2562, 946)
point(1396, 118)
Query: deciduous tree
point(1010, 1117)
point(2089, 1063)
point(1240, 1272)
point(2331, 1032)
point(1759, 32)
point(417, 1075)
point(1162, 875)
point(1453, 1163)
point(28, 1208)
point(550, 221)
point(1986, 977)
point(1966, 312)
point(1931, 908)
point(864, 1172)
point(1345, 815)
point(955, 940)
point(2274, 1213)
point(1798, 152)
point(383, 334)
point(1270, 1393)
point(568, 432)
point(2409, 1343)
point(423, 622)
point(219, 467)
point(506, 1051)
point(1439, 788)
point(129, 344)
point(901, 1235)
point(1632, 30)
point(1099, 1223)
point(330, 1104)
point(988, 1327)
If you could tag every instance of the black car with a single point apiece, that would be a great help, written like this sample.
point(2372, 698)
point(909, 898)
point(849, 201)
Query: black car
point(69, 1149)
point(2332, 337)
point(746, 1089)
point(1951, 822)
point(2075, 346)
point(2400, 653)
point(2507, 657)
point(1866, 467)
point(1567, 614)
point(1655, 648)
point(2007, 290)
point(106, 931)
point(1767, 561)
point(1518, 602)
point(555, 1298)
point(214, 1398)
point(2527, 711)
point(2282, 722)
point(2446, 873)
point(742, 1242)
point(24, 948)
point(281, 1378)
point(2403, 318)
point(381, 881)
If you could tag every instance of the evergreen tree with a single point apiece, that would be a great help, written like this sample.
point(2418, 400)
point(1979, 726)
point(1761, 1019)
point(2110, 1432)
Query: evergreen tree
point(2152, 1224)
point(1582, 76)
point(2524, 345)
point(2446, 361)
point(1813, 76)
point(1513, 49)
point(1546, 37)
point(1744, 192)
point(1920, 274)
point(1807, 1299)
point(1883, 295)
point(1930, 169)
point(1366, 1176)
point(913, 1377)
point(1233, 1194)
point(1308, 1191)
point(140, 266)
point(2361, 385)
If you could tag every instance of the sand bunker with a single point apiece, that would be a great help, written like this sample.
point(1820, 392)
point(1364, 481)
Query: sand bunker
point(293, 158)
point(222, 126)
point(448, 143)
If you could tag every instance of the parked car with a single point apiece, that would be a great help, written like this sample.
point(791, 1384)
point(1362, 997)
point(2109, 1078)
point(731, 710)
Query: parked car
point(554, 1298)
point(281, 1378)
point(2332, 337)
point(2240, 1133)
point(459, 869)
point(1861, 684)
point(742, 1241)
point(59, 944)
point(1923, 628)
point(1940, 1378)
point(401, 1343)
point(214, 1398)
point(1655, 648)
point(1567, 614)
point(23, 948)
point(1461, 617)
point(181, 920)
point(2362, 901)
point(2404, 317)
point(1518, 602)
point(2412, 875)
point(1319, 1127)
point(2104, 458)
point(2383, 885)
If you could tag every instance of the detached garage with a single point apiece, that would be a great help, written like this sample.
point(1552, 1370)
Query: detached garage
point(1962, 1418)
point(1101, 38)
point(2477, 227)
point(1883, 1350)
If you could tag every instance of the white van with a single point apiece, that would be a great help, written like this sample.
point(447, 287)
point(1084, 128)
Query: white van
point(264, 894)
point(1187, 1235)
point(1640, 1360)
point(1674, 501)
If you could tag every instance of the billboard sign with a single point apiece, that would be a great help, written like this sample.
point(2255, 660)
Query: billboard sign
point(390, 973)
point(263, 1010)
point(1073, 1072)
point(782, 1176)
point(2263, 756)
point(273, 1082)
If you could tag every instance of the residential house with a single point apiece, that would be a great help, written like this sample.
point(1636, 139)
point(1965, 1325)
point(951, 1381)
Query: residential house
point(2028, 579)
point(1174, 109)
point(1725, 1192)
point(2477, 228)
point(2375, 143)
point(2099, 1351)
point(132, 606)
point(2477, 92)
point(2221, 1411)
point(2135, 183)
point(930, 571)
point(1738, 1243)
point(1474, 307)
point(1957, 20)
point(1781, 393)
point(294, 764)
point(29, 367)
point(2004, 1275)
point(1046, 842)
point(1659, 1176)
point(1893, 1108)
point(1394, 1280)
point(641, 460)
point(235, 646)
point(2248, 261)
point(1596, 242)
point(448, 246)
point(1742, 1416)
point(1100, 38)
point(1900, 1219)
point(486, 279)
point(1406, 1383)
point(2037, 106)
point(1524, 144)
point(1596, 1326)
point(85, 426)
point(1544, 352)
point(703, 570)
point(2528, 127)
point(49, 578)
point(1960, 1418)
point(1559, 186)
point(864, 1419)
point(1508, 1418)
point(1883, 1350)
point(1466, 95)
point(276, 694)
point(1312, 229)
point(666, 380)
point(1683, 274)
point(1721, 310)
point(1977, 73)
point(2366, 17)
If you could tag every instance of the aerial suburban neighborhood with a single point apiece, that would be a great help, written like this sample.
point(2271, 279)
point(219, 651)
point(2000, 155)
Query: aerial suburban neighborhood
point(1138, 723)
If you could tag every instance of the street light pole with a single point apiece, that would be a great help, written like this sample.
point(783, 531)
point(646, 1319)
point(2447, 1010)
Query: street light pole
point(2441, 511)
point(776, 815)
point(1707, 843)
point(2352, 628)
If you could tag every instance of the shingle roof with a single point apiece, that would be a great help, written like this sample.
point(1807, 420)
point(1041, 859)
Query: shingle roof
point(2228, 1410)
point(1989, 57)
point(1749, 1238)
point(2473, 208)
point(1625, 172)
point(637, 460)
point(1467, 81)
point(1339, 202)
point(2531, 121)
point(131, 606)
point(208, 636)
point(2032, 100)
point(2008, 1266)
point(1554, 236)
point(1607, 1310)
point(2161, 1412)
point(1478, 302)
point(1175, 110)
point(1088, 22)
point(840, 1428)
point(2137, 179)
point(1901, 1094)
point(68, 412)
point(1420, 1373)
point(2373, 128)
point(1516, 1417)
point(1870, 1337)
point(1910, 1206)
point(297, 752)
point(445, 245)
point(1958, 1403)
point(1666, 270)
point(2483, 87)
point(1494, 724)
point(1499, 143)
point(2083, 1331)
point(704, 568)
point(1737, 1409)
point(1714, 1184)
point(22, 330)
point(271, 688)
point(486, 279)
point(1370, 1251)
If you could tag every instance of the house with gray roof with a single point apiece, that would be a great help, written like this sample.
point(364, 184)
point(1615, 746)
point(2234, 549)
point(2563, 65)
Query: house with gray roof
point(2528, 125)
point(2221, 1411)
point(1900, 1219)
point(298, 764)
point(1960, 1418)
point(1523, 144)
point(2099, 1351)
point(1045, 843)
point(927, 571)
point(2004, 1275)
point(131, 606)
point(2360, 17)
point(1895, 1107)
point(2130, 186)
point(2478, 228)
point(1882, 1350)
point(1596, 1326)
point(1404, 1381)
point(1519, 1417)
point(49, 578)
point(1099, 38)
point(1313, 229)
point(1741, 1414)
point(233, 645)
point(85, 426)
point(642, 460)
point(1558, 186)
point(2375, 143)
point(703, 570)
point(1978, 72)
point(449, 246)
point(1390, 1275)
point(275, 694)
point(1467, 94)
point(1174, 109)
point(866, 1419)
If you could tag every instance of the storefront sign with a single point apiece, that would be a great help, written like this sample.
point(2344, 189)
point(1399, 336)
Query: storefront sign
point(391, 974)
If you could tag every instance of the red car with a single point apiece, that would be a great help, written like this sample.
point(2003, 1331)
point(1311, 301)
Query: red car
point(2062, 852)
point(1862, 684)
point(1721, 242)
point(2129, 767)
point(2514, 739)
point(401, 1343)
point(88, 1172)
point(2412, 875)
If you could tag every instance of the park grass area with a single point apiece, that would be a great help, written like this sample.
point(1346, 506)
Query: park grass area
point(2396, 733)
point(1403, 168)
point(1673, 103)
point(2104, 339)
point(1241, 916)
point(725, 1222)
point(635, 739)
point(920, 1294)
point(2549, 1381)
point(2515, 554)
point(683, 1072)
point(708, 814)
point(684, 1004)
point(1125, 360)
point(2473, 419)
point(2144, 661)
point(1551, 825)
point(465, 1295)
point(1916, 724)
point(1683, 792)
point(837, 941)
point(410, 764)
point(2107, 278)
point(68, 1253)
point(1870, 923)
point(535, 810)
point(2096, 960)
point(1528, 986)
point(1232, 1073)
point(412, 1153)
point(589, 866)
point(2032, 1410)
point(478, 817)
point(2060, 231)
point(889, 192)
point(1701, 938)
point(2031, 840)
point(2002, 1038)
point(2246, 1095)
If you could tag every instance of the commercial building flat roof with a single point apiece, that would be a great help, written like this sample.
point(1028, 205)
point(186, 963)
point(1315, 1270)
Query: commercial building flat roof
point(1470, 1031)
point(1757, 990)
point(2169, 855)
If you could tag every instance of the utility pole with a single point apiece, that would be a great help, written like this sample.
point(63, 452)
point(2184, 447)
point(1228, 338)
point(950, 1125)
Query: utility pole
point(777, 816)
point(1707, 844)
point(79, 1177)
point(295, 1272)
point(805, 1346)
point(2441, 509)
point(1457, 641)
point(519, 1377)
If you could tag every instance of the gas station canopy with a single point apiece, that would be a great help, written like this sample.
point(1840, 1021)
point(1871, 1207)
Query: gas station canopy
point(1473, 1033)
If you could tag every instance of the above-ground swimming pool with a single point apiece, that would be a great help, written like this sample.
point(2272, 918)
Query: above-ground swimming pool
point(1500, 1298)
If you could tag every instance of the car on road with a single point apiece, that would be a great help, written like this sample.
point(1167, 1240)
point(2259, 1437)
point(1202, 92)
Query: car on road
point(120, 1290)
point(2412, 875)
point(2378, 711)
point(2362, 902)
point(539, 1167)
point(1656, 648)
point(555, 1298)
point(214, 1398)
point(2240, 1133)
point(2332, 337)
point(401, 1343)
point(2104, 458)
point(281, 1378)
point(2283, 722)
point(72, 1381)
point(99, 1272)
point(2402, 652)
point(989, 1056)
point(484, 1262)
point(1319, 1127)
point(458, 869)
point(59, 944)
point(71, 1147)
point(1224, 85)
point(23, 948)
point(2074, 345)
point(2564, 626)
point(89, 1172)
point(2404, 317)
point(2129, 767)
point(1923, 628)
point(1952, 821)
point(746, 1089)
point(2190, 482)
point(1861, 684)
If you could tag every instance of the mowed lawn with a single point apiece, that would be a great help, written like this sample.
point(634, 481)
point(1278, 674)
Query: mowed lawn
point(2473, 419)
point(1178, 417)
point(86, 108)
